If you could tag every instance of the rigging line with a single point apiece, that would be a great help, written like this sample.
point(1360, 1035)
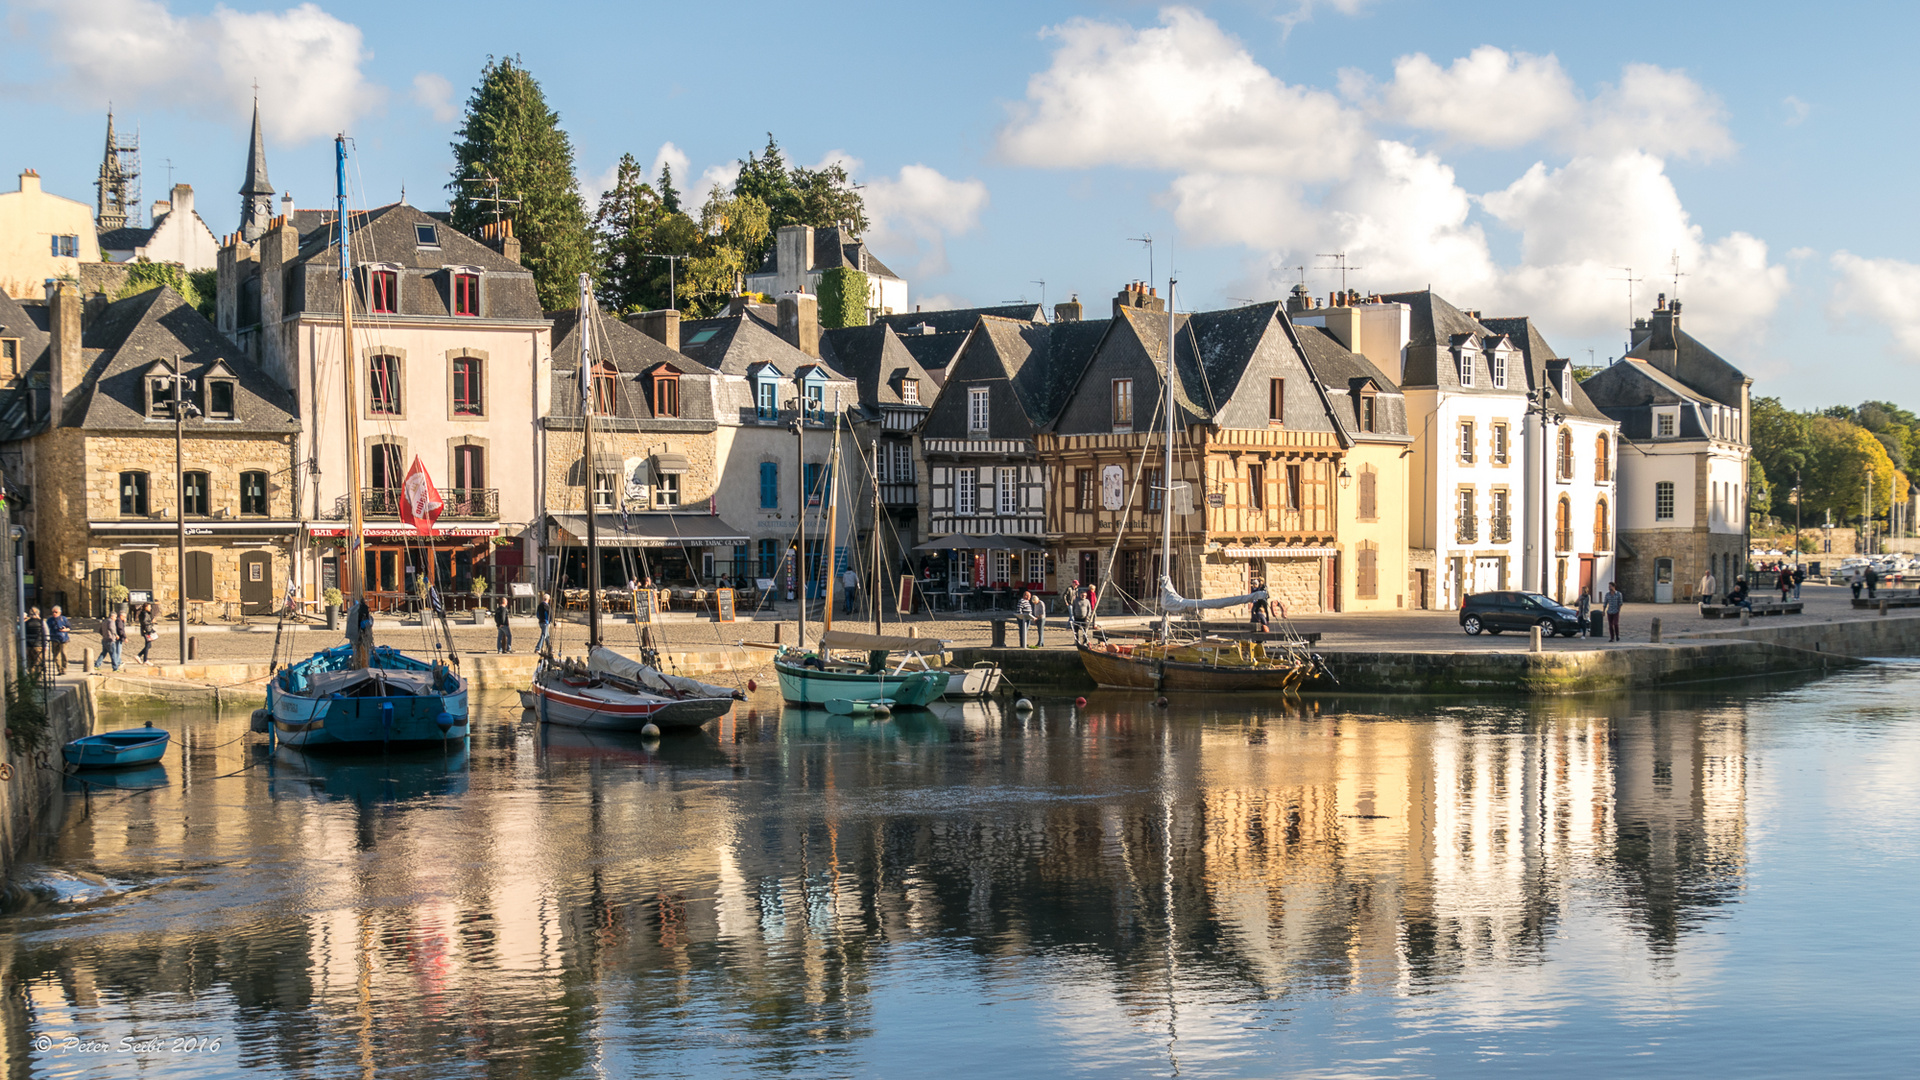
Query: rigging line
point(1133, 489)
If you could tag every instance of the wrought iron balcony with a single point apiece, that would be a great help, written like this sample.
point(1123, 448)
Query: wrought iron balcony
point(1563, 540)
point(1467, 529)
point(462, 504)
point(1500, 530)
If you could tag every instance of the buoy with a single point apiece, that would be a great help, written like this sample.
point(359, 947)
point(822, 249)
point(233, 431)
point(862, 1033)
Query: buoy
point(262, 720)
point(752, 686)
point(882, 710)
point(650, 731)
point(1160, 702)
point(1081, 702)
point(1023, 705)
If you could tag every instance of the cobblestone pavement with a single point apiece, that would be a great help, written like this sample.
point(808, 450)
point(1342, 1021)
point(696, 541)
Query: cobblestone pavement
point(1394, 630)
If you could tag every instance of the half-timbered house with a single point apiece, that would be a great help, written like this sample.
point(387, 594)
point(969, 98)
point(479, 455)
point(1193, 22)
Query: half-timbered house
point(895, 396)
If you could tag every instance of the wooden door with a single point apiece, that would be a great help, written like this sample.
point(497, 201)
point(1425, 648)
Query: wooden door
point(256, 583)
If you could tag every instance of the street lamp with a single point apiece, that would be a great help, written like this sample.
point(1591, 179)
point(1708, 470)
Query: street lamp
point(1796, 521)
point(1539, 403)
point(182, 408)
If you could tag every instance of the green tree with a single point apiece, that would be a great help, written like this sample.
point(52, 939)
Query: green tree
point(822, 198)
point(1841, 457)
point(623, 228)
point(669, 195)
point(199, 288)
point(510, 135)
point(1760, 492)
point(732, 227)
point(843, 298)
point(1780, 446)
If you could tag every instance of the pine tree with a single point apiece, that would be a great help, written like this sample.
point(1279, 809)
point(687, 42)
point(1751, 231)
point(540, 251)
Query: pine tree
point(623, 229)
point(510, 135)
point(669, 195)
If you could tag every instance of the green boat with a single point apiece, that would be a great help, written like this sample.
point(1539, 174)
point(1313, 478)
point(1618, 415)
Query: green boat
point(896, 668)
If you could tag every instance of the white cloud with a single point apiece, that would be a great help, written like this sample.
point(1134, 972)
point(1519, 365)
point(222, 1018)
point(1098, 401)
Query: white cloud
point(1303, 11)
point(1489, 97)
point(434, 93)
point(1658, 111)
point(1886, 291)
point(841, 158)
point(306, 61)
point(1797, 110)
point(719, 176)
point(669, 154)
point(913, 213)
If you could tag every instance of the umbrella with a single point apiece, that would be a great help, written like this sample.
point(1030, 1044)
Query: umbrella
point(978, 543)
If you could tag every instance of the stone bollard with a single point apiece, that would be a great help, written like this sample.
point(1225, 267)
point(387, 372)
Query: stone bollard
point(999, 633)
point(776, 633)
point(86, 659)
point(1745, 615)
point(1883, 605)
point(1533, 639)
point(193, 648)
point(1653, 635)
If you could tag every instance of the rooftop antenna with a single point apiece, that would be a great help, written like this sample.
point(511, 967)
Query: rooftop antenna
point(492, 184)
point(1631, 282)
point(1677, 274)
point(1147, 239)
point(169, 162)
point(1340, 262)
point(1042, 282)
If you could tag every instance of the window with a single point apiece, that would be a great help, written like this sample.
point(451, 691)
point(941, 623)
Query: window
point(1499, 444)
point(466, 293)
point(1155, 481)
point(193, 494)
point(469, 467)
point(903, 463)
point(977, 410)
point(769, 485)
point(604, 485)
point(426, 235)
point(819, 484)
point(769, 558)
point(160, 397)
point(383, 291)
point(1563, 526)
point(10, 357)
point(1123, 405)
point(253, 493)
point(1601, 537)
point(1466, 442)
point(1665, 422)
point(816, 401)
point(1276, 401)
point(1084, 497)
point(766, 400)
point(383, 385)
point(219, 399)
point(1293, 487)
point(1499, 371)
point(1367, 583)
point(383, 472)
point(1257, 487)
point(66, 247)
point(606, 391)
point(666, 393)
point(1367, 413)
point(1369, 493)
point(1663, 501)
point(1566, 453)
point(1466, 367)
point(467, 387)
point(1008, 489)
point(1467, 529)
point(966, 491)
point(666, 490)
point(910, 391)
point(1602, 461)
point(1499, 526)
point(133, 494)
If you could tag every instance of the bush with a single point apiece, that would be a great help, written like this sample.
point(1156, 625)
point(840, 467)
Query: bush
point(26, 713)
point(333, 597)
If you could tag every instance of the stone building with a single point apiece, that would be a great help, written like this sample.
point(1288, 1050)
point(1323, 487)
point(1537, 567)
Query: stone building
point(43, 238)
point(1683, 413)
point(89, 439)
point(895, 396)
point(802, 254)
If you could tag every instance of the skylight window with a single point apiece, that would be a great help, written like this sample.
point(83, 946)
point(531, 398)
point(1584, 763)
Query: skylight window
point(702, 337)
point(426, 235)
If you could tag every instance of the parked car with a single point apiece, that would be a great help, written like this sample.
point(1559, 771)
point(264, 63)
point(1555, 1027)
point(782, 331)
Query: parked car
point(1498, 611)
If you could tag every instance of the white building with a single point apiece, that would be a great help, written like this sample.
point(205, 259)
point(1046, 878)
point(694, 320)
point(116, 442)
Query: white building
point(177, 235)
point(802, 254)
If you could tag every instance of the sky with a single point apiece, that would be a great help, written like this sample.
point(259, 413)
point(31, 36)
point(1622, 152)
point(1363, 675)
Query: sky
point(1520, 158)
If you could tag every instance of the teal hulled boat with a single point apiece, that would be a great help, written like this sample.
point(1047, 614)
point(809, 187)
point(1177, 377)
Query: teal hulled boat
point(817, 677)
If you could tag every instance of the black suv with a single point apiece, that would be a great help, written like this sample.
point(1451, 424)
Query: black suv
point(1497, 611)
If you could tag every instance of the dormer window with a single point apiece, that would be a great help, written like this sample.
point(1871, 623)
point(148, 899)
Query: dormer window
point(666, 392)
point(1499, 371)
point(1666, 423)
point(1466, 367)
point(766, 400)
point(977, 410)
point(219, 399)
point(1369, 413)
point(910, 391)
point(426, 236)
point(466, 292)
point(160, 382)
point(606, 392)
point(10, 358)
point(383, 289)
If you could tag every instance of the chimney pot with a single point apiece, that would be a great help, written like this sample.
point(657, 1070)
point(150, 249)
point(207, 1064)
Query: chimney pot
point(662, 326)
point(800, 322)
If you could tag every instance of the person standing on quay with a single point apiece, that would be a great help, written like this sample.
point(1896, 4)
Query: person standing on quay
point(1872, 578)
point(36, 640)
point(1586, 605)
point(1613, 601)
point(1799, 578)
point(1023, 614)
point(147, 632)
point(1260, 615)
point(503, 635)
point(850, 584)
point(1707, 585)
point(59, 632)
point(544, 615)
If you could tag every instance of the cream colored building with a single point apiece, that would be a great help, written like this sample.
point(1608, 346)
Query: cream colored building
point(43, 237)
point(177, 235)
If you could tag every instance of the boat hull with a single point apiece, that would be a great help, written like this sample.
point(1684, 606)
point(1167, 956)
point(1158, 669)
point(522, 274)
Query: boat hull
point(118, 749)
point(980, 680)
point(303, 716)
point(1120, 671)
point(603, 707)
point(812, 686)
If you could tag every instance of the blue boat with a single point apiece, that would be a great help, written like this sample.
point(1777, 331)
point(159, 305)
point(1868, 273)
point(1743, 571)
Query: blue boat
point(394, 701)
point(117, 749)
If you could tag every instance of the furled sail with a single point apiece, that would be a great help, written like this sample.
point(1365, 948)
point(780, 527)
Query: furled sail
point(1173, 601)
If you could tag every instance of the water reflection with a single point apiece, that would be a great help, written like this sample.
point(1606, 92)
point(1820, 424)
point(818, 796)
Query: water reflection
point(1112, 886)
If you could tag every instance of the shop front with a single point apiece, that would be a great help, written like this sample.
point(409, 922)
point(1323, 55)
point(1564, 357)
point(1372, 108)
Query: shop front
point(687, 553)
point(961, 572)
point(400, 564)
point(231, 570)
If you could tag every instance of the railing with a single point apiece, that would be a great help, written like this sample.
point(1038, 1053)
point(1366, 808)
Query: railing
point(1500, 529)
point(1563, 540)
point(1601, 543)
point(462, 504)
point(1467, 529)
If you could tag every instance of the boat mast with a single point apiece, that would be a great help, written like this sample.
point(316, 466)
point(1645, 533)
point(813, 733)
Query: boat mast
point(593, 471)
point(879, 575)
point(833, 516)
point(356, 524)
point(1166, 478)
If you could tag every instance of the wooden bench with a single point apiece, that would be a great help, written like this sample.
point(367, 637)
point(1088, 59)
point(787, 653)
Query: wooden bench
point(1894, 599)
point(1760, 607)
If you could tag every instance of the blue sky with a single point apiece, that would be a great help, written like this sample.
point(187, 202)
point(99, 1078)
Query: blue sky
point(1514, 156)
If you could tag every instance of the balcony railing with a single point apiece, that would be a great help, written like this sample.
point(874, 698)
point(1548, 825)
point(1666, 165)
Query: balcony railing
point(1563, 540)
point(1467, 529)
point(1500, 529)
point(462, 504)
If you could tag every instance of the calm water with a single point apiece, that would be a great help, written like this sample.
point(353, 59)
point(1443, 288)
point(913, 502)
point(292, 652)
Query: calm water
point(1709, 884)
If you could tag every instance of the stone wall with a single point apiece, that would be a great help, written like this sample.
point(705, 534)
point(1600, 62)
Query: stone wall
point(563, 448)
point(1693, 553)
point(35, 789)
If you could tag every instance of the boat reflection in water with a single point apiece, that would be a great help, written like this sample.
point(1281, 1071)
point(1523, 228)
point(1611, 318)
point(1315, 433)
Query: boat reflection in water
point(136, 778)
point(367, 779)
point(1115, 889)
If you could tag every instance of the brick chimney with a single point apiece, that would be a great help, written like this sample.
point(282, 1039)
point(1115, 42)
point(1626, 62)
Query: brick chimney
point(67, 360)
point(1138, 295)
point(800, 321)
point(662, 326)
point(1299, 301)
point(1067, 312)
point(498, 235)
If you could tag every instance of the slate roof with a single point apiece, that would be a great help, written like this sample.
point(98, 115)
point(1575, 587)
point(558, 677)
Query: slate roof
point(632, 354)
point(387, 235)
point(933, 351)
point(256, 183)
point(28, 323)
point(874, 357)
point(1225, 340)
point(832, 249)
point(127, 238)
point(1545, 367)
point(955, 320)
point(1343, 373)
point(1669, 347)
point(1435, 327)
point(737, 343)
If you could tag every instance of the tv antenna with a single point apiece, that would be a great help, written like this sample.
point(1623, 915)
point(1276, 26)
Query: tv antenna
point(1147, 239)
point(492, 184)
point(1631, 282)
point(1677, 274)
point(1042, 282)
point(1340, 263)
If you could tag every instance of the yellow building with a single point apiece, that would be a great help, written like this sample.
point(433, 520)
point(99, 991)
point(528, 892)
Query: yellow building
point(42, 236)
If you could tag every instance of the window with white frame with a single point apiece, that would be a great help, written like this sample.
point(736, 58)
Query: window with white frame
point(1500, 370)
point(1466, 442)
point(977, 414)
point(909, 391)
point(966, 491)
point(1466, 367)
point(1499, 444)
point(1666, 423)
point(1008, 489)
point(1663, 501)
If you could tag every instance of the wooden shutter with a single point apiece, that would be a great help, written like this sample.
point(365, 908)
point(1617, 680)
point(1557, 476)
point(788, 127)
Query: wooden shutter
point(1368, 494)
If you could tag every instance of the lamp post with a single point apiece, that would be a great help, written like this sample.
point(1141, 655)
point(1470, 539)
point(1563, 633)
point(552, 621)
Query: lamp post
point(182, 408)
point(1796, 520)
point(798, 425)
point(1540, 403)
point(673, 302)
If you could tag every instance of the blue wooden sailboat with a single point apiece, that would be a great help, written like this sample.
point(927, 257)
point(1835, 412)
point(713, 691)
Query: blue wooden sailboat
point(355, 695)
point(117, 749)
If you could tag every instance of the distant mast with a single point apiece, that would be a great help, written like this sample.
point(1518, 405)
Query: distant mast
point(356, 526)
point(1166, 479)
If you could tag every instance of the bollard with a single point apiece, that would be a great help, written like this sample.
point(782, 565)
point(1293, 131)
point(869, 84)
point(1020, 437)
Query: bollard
point(86, 659)
point(1745, 615)
point(1654, 634)
point(999, 633)
point(193, 648)
point(1883, 605)
point(1533, 639)
point(776, 633)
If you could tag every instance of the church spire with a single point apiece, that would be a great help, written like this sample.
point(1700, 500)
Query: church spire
point(110, 208)
point(256, 195)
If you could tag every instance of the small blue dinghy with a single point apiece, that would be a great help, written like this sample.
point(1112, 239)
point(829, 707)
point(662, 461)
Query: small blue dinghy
point(131, 746)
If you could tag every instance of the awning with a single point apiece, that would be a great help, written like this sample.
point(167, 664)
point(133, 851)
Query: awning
point(396, 532)
point(647, 531)
point(1278, 553)
point(670, 463)
point(964, 541)
point(847, 639)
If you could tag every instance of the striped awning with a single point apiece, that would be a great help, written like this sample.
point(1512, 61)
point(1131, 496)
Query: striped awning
point(1278, 553)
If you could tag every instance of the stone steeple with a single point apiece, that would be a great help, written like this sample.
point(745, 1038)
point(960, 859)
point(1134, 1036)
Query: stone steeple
point(110, 209)
point(256, 195)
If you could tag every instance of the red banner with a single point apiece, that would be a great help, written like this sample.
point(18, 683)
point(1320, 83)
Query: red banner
point(420, 502)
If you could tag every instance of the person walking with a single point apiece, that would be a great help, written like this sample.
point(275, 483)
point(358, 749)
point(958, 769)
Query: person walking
point(850, 584)
point(36, 635)
point(1613, 601)
point(59, 632)
point(1023, 614)
point(1093, 609)
point(1260, 615)
point(1872, 579)
point(1799, 578)
point(503, 631)
point(113, 635)
point(1585, 607)
point(1707, 587)
point(1073, 609)
point(144, 622)
point(544, 616)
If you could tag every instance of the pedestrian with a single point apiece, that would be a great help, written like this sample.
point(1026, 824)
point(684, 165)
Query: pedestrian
point(1612, 602)
point(113, 636)
point(1082, 617)
point(849, 584)
point(36, 635)
point(1040, 620)
point(1707, 587)
point(1073, 609)
point(1260, 615)
point(1872, 579)
point(1853, 579)
point(59, 632)
point(1585, 607)
point(1799, 578)
point(1023, 614)
point(1093, 609)
point(544, 615)
point(147, 631)
point(1786, 584)
point(503, 635)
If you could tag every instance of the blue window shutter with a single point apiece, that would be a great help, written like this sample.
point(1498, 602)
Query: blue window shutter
point(769, 485)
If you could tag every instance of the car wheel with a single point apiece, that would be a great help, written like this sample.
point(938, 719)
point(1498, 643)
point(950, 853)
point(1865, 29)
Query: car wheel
point(1471, 624)
point(1547, 629)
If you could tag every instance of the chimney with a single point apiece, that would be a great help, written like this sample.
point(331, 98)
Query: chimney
point(161, 208)
point(1067, 312)
point(800, 320)
point(67, 360)
point(183, 199)
point(662, 326)
point(793, 257)
point(1299, 301)
point(286, 204)
point(29, 181)
point(498, 235)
